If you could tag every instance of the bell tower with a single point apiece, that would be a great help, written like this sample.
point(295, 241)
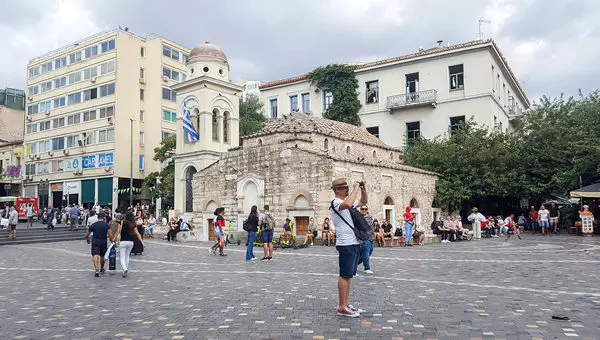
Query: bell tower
point(208, 102)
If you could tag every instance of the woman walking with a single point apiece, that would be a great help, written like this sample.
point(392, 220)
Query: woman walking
point(219, 232)
point(253, 222)
point(129, 232)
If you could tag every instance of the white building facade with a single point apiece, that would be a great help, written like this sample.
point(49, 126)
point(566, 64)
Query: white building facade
point(425, 94)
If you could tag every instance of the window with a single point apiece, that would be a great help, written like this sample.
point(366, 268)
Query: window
point(90, 94)
point(47, 86)
point(108, 45)
point(294, 103)
point(374, 130)
point(374, 154)
point(455, 123)
point(74, 57)
point(142, 116)
point(141, 94)
point(90, 137)
point(91, 51)
point(60, 62)
point(110, 135)
point(74, 119)
point(306, 102)
point(89, 115)
point(226, 127)
point(46, 67)
point(105, 135)
point(413, 130)
point(174, 54)
point(60, 82)
point(168, 94)
point(74, 98)
point(57, 165)
point(44, 146)
point(45, 125)
point(169, 116)
point(90, 72)
point(348, 150)
point(166, 51)
point(273, 106)
point(412, 85)
point(42, 168)
point(141, 165)
point(108, 111)
point(32, 128)
point(372, 91)
point(171, 74)
point(74, 77)
point(45, 106)
point(326, 144)
point(141, 73)
point(327, 99)
point(457, 77)
point(58, 143)
point(58, 122)
point(72, 141)
point(107, 67)
point(141, 138)
point(33, 148)
point(29, 169)
point(34, 72)
point(142, 51)
point(167, 134)
point(34, 90)
point(215, 125)
point(32, 110)
point(107, 90)
point(59, 102)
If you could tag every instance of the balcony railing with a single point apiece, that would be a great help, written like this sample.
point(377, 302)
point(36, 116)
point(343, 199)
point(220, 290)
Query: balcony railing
point(412, 99)
point(515, 111)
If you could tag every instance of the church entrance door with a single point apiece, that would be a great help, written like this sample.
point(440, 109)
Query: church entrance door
point(301, 225)
point(211, 230)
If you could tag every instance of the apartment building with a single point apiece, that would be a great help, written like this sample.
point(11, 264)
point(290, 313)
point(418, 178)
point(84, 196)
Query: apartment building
point(427, 93)
point(87, 103)
point(11, 142)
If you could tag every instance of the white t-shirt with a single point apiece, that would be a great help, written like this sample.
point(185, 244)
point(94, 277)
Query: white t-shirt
point(344, 234)
point(151, 221)
point(91, 220)
point(544, 214)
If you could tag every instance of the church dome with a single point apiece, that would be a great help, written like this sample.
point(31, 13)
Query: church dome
point(207, 52)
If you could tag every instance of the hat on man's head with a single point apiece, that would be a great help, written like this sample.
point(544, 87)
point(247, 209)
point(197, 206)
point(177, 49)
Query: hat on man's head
point(339, 183)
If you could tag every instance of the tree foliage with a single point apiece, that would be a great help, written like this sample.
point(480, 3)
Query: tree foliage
point(166, 188)
point(553, 144)
point(252, 118)
point(342, 82)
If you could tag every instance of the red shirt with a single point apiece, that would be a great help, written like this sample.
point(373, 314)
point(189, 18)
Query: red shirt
point(220, 223)
point(533, 215)
point(408, 217)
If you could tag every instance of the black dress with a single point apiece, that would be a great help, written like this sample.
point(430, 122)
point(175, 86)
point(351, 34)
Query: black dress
point(137, 245)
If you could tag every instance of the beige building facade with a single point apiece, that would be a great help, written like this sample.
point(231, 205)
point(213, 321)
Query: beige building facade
point(290, 164)
point(87, 103)
point(426, 93)
point(11, 151)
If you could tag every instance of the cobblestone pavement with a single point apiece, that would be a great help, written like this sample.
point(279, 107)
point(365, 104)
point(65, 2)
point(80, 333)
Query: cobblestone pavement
point(468, 290)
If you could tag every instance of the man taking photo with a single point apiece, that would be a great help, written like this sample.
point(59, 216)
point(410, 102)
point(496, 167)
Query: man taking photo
point(348, 245)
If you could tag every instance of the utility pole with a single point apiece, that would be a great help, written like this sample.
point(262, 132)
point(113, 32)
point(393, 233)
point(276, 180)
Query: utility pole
point(131, 164)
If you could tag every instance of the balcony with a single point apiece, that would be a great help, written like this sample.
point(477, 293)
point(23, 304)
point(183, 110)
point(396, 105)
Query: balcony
point(514, 112)
point(414, 99)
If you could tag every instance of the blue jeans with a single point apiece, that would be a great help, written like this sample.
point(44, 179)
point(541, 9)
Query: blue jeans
point(250, 249)
point(408, 231)
point(366, 250)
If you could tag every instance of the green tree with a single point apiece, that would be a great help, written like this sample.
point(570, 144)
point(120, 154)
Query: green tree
point(342, 82)
point(166, 188)
point(252, 118)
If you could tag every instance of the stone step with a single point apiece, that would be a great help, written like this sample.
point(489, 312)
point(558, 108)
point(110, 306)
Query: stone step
point(41, 235)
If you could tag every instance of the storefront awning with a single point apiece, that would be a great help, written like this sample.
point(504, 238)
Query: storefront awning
point(591, 191)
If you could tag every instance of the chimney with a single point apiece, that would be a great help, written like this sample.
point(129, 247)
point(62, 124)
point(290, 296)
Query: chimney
point(440, 43)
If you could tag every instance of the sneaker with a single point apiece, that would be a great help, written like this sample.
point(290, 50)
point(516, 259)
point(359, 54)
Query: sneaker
point(355, 310)
point(102, 270)
point(264, 259)
point(312, 244)
point(253, 259)
point(210, 251)
point(356, 275)
point(124, 273)
point(223, 254)
point(347, 313)
point(369, 271)
point(97, 274)
point(270, 258)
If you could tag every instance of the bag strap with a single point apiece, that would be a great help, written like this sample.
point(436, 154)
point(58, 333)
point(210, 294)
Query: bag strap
point(338, 213)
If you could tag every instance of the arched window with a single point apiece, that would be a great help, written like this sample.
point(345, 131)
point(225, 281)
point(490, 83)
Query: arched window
point(250, 191)
point(348, 150)
point(215, 125)
point(260, 142)
point(414, 203)
point(196, 119)
point(374, 154)
point(189, 193)
point(388, 201)
point(326, 144)
point(391, 155)
point(226, 127)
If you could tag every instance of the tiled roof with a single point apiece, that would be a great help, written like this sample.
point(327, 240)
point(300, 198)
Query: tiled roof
point(428, 52)
point(301, 123)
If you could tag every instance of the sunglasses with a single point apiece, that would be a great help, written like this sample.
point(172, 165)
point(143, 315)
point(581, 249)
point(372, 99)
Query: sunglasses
point(365, 209)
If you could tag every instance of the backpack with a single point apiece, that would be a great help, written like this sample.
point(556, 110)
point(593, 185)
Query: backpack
point(435, 227)
point(246, 226)
point(268, 222)
point(361, 228)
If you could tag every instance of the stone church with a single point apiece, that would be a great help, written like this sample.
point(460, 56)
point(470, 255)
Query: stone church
point(288, 165)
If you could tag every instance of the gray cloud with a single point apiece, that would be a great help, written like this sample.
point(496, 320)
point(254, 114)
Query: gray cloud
point(267, 40)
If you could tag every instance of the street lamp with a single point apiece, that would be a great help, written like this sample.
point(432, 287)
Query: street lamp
point(131, 164)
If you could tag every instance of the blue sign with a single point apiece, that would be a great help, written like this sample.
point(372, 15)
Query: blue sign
point(75, 163)
point(105, 159)
point(88, 162)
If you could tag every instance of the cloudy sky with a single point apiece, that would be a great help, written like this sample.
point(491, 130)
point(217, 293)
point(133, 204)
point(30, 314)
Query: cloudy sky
point(552, 46)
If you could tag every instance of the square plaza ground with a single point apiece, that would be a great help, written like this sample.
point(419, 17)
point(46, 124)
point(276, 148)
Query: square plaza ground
point(467, 290)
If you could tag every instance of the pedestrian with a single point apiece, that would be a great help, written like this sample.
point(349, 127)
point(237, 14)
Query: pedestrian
point(554, 216)
point(533, 217)
point(409, 222)
point(366, 248)
point(312, 232)
point(253, 223)
point(347, 244)
point(29, 213)
point(13, 219)
point(93, 218)
point(50, 217)
point(128, 232)
point(219, 231)
point(74, 213)
point(99, 231)
point(544, 220)
point(97, 208)
point(267, 225)
point(476, 218)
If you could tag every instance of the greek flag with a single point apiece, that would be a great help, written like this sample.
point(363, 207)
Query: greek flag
point(191, 135)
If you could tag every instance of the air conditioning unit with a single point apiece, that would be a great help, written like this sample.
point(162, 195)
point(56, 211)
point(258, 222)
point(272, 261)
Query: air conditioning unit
point(66, 151)
point(165, 78)
point(30, 98)
point(29, 118)
point(142, 80)
point(75, 172)
point(30, 156)
point(47, 113)
point(93, 79)
point(108, 168)
point(110, 120)
point(37, 156)
point(50, 153)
